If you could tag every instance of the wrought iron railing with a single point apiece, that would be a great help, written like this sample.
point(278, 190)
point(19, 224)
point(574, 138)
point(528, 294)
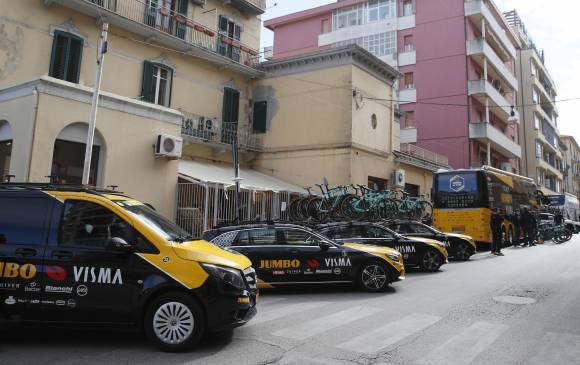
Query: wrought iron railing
point(180, 26)
point(424, 154)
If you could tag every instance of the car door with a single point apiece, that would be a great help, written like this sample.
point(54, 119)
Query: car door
point(259, 245)
point(24, 218)
point(88, 278)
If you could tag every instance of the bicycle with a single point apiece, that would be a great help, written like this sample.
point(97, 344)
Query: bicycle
point(329, 204)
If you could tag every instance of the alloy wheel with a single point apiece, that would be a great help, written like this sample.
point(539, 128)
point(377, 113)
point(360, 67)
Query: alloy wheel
point(431, 261)
point(374, 277)
point(173, 323)
point(463, 251)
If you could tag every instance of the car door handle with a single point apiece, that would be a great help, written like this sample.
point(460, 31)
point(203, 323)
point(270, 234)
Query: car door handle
point(62, 255)
point(25, 252)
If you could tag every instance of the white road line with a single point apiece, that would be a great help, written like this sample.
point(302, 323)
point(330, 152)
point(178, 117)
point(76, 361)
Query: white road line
point(317, 326)
point(464, 347)
point(272, 314)
point(389, 334)
point(557, 348)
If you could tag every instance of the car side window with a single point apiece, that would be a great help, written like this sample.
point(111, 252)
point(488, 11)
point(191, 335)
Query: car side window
point(23, 220)
point(402, 228)
point(262, 237)
point(231, 238)
point(86, 224)
point(298, 237)
point(376, 232)
point(417, 228)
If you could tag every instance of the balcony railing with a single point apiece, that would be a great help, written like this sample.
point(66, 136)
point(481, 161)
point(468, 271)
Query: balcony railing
point(217, 133)
point(424, 154)
point(172, 24)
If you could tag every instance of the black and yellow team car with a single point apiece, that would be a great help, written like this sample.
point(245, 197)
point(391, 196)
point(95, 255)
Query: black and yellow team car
point(427, 254)
point(79, 256)
point(285, 254)
point(460, 246)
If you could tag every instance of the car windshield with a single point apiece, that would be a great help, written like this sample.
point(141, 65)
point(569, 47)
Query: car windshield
point(149, 217)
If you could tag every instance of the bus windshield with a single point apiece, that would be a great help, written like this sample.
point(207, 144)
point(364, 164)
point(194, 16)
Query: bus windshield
point(461, 182)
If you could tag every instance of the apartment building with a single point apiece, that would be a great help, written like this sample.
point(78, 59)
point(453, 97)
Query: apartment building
point(169, 63)
point(540, 139)
point(571, 165)
point(457, 64)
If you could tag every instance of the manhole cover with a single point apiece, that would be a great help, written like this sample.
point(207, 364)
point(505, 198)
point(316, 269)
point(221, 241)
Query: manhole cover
point(510, 299)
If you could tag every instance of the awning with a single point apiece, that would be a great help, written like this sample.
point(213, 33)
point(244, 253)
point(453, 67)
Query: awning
point(224, 174)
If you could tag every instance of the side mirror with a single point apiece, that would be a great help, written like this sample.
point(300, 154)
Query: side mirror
point(117, 244)
point(324, 246)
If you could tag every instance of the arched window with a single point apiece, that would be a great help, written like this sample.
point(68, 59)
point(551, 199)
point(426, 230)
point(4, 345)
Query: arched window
point(5, 149)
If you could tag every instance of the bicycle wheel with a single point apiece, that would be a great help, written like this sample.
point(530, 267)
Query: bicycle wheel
point(293, 210)
point(347, 207)
point(426, 209)
point(318, 209)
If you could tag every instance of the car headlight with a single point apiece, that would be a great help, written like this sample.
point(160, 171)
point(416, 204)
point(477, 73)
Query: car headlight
point(226, 274)
point(393, 256)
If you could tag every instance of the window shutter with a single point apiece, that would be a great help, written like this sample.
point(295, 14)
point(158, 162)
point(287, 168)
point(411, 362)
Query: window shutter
point(169, 85)
point(223, 24)
point(147, 88)
point(74, 59)
point(182, 7)
point(58, 56)
point(66, 57)
point(260, 116)
point(237, 32)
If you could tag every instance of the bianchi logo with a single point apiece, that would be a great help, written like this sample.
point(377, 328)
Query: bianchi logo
point(58, 289)
point(337, 262)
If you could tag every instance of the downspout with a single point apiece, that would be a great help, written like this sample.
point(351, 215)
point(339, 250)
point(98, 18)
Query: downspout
point(525, 154)
point(33, 135)
point(391, 148)
point(467, 93)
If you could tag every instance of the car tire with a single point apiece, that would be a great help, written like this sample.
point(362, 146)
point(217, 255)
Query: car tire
point(174, 322)
point(463, 252)
point(373, 277)
point(431, 261)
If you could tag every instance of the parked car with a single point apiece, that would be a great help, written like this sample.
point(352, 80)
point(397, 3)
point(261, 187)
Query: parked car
point(459, 246)
point(286, 254)
point(424, 253)
point(79, 256)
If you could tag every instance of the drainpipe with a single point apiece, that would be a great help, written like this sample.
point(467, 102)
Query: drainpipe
point(33, 134)
point(524, 155)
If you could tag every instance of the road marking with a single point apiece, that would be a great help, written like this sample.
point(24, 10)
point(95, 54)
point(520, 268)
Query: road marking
point(317, 326)
point(272, 314)
point(464, 347)
point(390, 333)
point(557, 348)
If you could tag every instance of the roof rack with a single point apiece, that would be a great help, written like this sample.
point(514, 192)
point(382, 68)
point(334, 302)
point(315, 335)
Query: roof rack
point(58, 187)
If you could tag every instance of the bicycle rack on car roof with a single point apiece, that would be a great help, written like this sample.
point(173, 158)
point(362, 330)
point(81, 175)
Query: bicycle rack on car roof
point(57, 187)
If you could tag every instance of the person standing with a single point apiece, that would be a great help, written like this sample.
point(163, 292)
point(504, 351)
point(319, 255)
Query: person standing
point(525, 224)
point(496, 220)
point(517, 221)
point(533, 227)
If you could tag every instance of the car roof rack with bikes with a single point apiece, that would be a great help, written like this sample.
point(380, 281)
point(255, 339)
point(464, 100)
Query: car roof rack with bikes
point(15, 186)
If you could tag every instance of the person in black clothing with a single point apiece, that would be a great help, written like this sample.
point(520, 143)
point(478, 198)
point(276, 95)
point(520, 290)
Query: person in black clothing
point(496, 220)
point(525, 223)
point(558, 218)
point(517, 221)
point(533, 227)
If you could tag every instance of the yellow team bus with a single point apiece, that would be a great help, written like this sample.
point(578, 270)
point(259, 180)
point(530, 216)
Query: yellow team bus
point(463, 201)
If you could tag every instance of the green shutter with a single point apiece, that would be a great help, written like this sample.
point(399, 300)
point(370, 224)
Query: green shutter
point(170, 83)
point(74, 59)
point(147, 86)
point(260, 116)
point(181, 28)
point(223, 24)
point(66, 57)
point(182, 7)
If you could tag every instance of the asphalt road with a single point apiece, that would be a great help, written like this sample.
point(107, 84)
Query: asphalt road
point(456, 316)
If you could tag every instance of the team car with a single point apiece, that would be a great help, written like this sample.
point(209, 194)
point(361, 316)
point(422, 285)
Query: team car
point(427, 254)
point(459, 246)
point(80, 256)
point(290, 254)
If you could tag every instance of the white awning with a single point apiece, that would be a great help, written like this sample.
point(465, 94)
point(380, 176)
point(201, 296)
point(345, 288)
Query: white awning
point(224, 174)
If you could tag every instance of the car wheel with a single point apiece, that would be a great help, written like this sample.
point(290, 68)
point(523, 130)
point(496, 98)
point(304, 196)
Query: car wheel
point(174, 322)
point(463, 251)
point(431, 261)
point(373, 277)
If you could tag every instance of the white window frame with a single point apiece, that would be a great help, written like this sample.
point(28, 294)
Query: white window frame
point(537, 122)
point(408, 8)
point(157, 77)
point(539, 150)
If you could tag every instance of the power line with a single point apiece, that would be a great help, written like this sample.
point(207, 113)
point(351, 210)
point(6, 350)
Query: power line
point(467, 105)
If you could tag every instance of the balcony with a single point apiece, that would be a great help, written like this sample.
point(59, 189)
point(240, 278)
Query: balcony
point(250, 7)
point(480, 50)
point(173, 30)
point(420, 157)
point(408, 135)
point(407, 58)
point(548, 167)
point(485, 132)
point(406, 22)
point(213, 133)
point(357, 31)
point(481, 90)
point(477, 10)
point(407, 96)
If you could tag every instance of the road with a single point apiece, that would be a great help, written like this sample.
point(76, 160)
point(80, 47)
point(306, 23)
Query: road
point(456, 316)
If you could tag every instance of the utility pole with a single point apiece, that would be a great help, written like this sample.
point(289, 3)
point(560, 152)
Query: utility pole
point(102, 49)
point(237, 178)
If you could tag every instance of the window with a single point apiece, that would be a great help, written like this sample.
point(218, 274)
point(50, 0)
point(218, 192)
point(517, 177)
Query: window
point(409, 80)
point(65, 61)
point(86, 224)
point(230, 36)
point(157, 83)
point(230, 115)
point(535, 96)
point(408, 43)
point(380, 10)
point(5, 156)
point(417, 228)
point(408, 8)
point(538, 150)
point(299, 238)
point(256, 237)
point(376, 232)
point(380, 44)
point(533, 68)
point(348, 17)
point(326, 26)
point(260, 116)
point(68, 160)
point(376, 183)
point(23, 220)
point(410, 119)
point(537, 121)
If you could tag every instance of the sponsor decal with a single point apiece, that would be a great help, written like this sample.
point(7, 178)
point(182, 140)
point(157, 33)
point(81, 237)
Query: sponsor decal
point(278, 272)
point(12, 270)
point(293, 271)
point(326, 271)
point(60, 303)
point(56, 273)
point(22, 301)
point(71, 303)
point(308, 271)
point(313, 263)
point(98, 275)
point(337, 271)
point(406, 249)
point(338, 262)
point(32, 288)
point(10, 300)
point(279, 264)
point(166, 259)
point(82, 290)
point(49, 302)
point(58, 289)
point(34, 301)
point(457, 183)
point(9, 286)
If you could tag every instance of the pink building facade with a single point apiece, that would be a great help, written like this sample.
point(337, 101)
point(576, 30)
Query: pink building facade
point(457, 64)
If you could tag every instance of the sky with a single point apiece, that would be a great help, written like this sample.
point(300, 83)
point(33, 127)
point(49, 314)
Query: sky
point(553, 25)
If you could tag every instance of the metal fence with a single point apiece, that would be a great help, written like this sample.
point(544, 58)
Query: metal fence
point(202, 205)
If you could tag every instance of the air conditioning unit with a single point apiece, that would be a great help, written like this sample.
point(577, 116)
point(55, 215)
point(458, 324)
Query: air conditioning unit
point(399, 178)
point(168, 146)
